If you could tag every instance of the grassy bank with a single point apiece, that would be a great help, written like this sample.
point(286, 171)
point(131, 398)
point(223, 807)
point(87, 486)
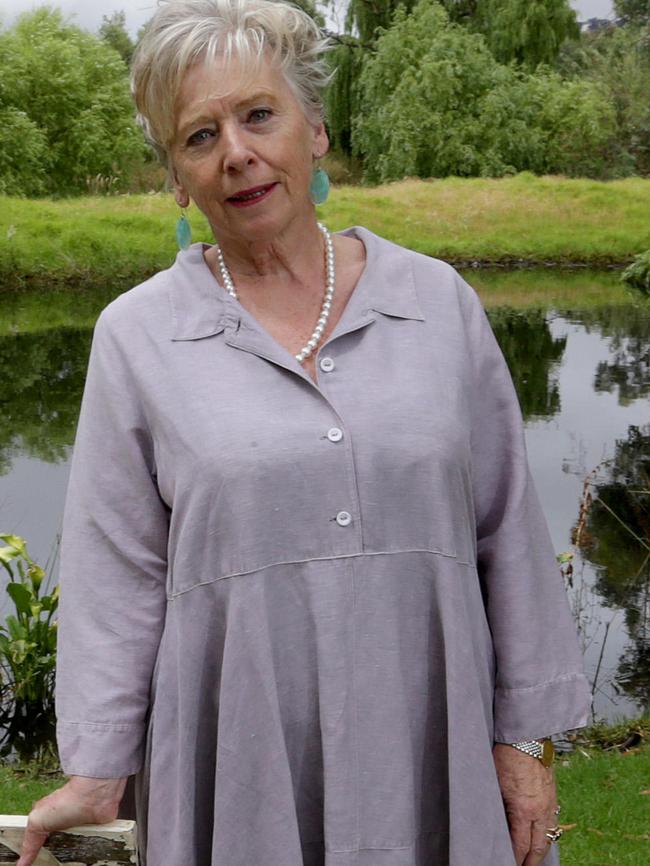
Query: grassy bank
point(605, 796)
point(113, 242)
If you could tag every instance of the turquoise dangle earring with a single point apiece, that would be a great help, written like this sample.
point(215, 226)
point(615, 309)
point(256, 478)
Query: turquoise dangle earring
point(319, 187)
point(183, 231)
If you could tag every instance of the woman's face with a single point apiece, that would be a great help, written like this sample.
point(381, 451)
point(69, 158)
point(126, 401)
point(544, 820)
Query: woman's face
point(243, 151)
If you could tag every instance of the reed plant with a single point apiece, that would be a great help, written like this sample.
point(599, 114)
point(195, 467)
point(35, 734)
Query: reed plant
point(27, 657)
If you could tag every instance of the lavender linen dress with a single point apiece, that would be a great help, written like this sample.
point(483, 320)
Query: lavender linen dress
point(303, 613)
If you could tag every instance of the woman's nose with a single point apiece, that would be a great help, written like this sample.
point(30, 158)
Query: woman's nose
point(237, 153)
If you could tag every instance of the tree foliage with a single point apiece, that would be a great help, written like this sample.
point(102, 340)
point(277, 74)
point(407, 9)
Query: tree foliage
point(311, 7)
point(342, 104)
point(367, 17)
point(529, 32)
point(65, 109)
point(616, 60)
point(113, 31)
point(633, 11)
point(365, 21)
point(515, 31)
point(462, 11)
point(23, 152)
point(435, 102)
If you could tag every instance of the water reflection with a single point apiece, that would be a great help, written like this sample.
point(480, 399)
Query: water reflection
point(42, 382)
point(614, 535)
point(627, 371)
point(532, 354)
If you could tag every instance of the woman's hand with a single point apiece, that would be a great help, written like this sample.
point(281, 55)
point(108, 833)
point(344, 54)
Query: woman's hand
point(80, 801)
point(529, 795)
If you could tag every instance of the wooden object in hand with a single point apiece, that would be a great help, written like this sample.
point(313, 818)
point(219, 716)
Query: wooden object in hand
point(111, 844)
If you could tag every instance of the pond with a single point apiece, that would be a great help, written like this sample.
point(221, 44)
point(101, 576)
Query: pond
point(583, 379)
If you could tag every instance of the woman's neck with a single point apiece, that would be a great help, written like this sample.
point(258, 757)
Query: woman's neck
point(291, 257)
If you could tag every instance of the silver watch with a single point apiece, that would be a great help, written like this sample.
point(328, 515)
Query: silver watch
point(543, 750)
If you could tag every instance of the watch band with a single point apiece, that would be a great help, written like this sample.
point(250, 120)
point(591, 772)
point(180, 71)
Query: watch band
point(543, 750)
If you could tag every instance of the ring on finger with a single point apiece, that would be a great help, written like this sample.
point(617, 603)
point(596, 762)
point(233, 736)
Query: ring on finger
point(554, 833)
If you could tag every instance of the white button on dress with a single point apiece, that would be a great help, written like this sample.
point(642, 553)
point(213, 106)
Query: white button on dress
point(344, 518)
point(327, 365)
point(335, 434)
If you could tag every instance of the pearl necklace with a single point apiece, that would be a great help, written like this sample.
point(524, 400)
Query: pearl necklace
point(317, 334)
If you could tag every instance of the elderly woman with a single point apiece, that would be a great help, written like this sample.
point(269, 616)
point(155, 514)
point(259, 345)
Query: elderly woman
point(309, 598)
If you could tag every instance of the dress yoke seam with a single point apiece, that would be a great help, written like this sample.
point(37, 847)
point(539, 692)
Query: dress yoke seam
point(339, 556)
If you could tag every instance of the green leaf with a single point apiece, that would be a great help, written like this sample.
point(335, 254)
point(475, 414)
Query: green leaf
point(19, 650)
point(16, 630)
point(15, 541)
point(50, 602)
point(36, 576)
point(8, 553)
point(21, 597)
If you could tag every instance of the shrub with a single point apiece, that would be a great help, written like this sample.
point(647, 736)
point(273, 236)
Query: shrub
point(637, 274)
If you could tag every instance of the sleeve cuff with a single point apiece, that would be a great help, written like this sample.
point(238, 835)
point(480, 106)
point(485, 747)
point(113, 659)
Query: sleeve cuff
point(100, 751)
point(539, 711)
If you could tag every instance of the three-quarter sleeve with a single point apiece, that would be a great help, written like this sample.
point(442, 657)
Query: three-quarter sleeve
point(113, 572)
point(540, 684)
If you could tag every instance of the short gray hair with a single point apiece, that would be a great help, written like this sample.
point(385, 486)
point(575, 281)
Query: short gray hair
point(184, 32)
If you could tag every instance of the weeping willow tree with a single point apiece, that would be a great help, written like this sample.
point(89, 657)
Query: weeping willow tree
point(365, 20)
point(529, 32)
point(365, 17)
point(462, 11)
point(525, 32)
point(342, 95)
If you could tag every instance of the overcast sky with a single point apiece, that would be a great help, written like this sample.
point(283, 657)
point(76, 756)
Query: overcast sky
point(88, 14)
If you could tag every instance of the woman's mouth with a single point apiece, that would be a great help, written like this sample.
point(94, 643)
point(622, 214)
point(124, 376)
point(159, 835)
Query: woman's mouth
point(248, 197)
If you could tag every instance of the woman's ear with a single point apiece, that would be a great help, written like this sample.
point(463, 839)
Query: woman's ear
point(321, 142)
point(182, 199)
point(180, 193)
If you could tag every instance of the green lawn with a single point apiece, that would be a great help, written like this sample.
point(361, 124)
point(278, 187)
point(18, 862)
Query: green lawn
point(110, 242)
point(19, 789)
point(605, 798)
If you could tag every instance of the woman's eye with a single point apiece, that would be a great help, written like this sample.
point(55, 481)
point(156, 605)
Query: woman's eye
point(259, 115)
point(200, 136)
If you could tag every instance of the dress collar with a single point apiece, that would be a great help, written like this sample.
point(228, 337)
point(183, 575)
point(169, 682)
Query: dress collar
point(201, 307)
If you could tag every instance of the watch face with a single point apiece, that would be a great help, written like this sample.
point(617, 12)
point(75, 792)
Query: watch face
point(548, 753)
